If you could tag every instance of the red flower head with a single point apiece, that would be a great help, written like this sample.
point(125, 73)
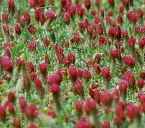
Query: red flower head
point(41, 3)
point(39, 15)
point(97, 68)
point(69, 59)
point(133, 16)
point(86, 74)
point(76, 38)
point(123, 86)
point(124, 33)
point(55, 78)
point(7, 52)
point(36, 3)
point(111, 2)
point(5, 28)
point(91, 29)
point(120, 111)
point(129, 77)
point(80, 72)
point(119, 19)
point(115, 32)
point(84, 24)
point(2, 112)
point(94, 14)
point(73, 72)
point(89, 105)
point(98, 2)
point(67, 17)
point(38, 86)
point(30, 67)
point(66, 4)
point(87, 3)
point(11, 96)
point(6, 63)
point(43, 68)
point(99, 29)
point(10, 107)
point(78, 87)
point(4, 17)
point(132, 111)
point(83, 123)
point(79, 106)
point(115, 53)
point(97, 20)
point(71, 10)
point(142, 43)
point(80, 10)
point(106, 124)
point(25, 18)
point(59, 51)
point(106, 97)
point(33, 125)
point(140, 29)
point(140, 83)
point(126, 2)
point(142, 75)
point(11, 5)
point(51, 113)
point(55, 88)
point(94, 92)
point(33, 3)
point(18, 28)
point(118, 121)
point(62, 72)
point(32, 29)
point(105, 72)
point(32, 46)
point(141, 97)
point(22, 104)
point(102, 40)
point(109, 21)
point(142, 107)
point(129, 60)
point(116, 94)
point(50, 15)
point(131, 42)
point(31, 111)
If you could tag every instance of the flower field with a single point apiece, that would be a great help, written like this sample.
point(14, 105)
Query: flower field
point(72, 63)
